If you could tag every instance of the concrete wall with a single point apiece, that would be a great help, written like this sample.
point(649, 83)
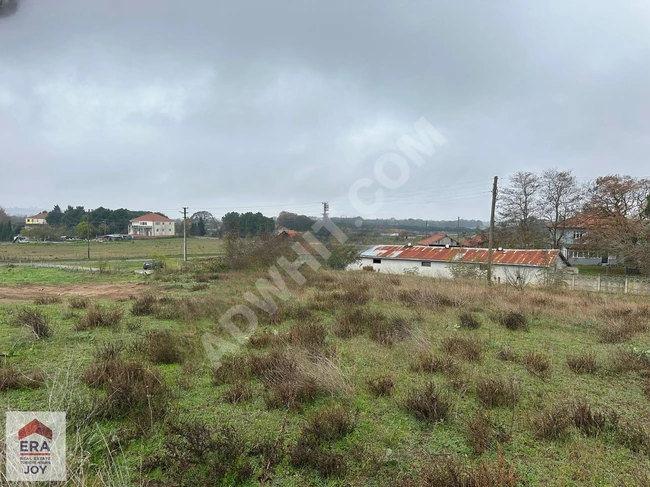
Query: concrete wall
point(502, 273)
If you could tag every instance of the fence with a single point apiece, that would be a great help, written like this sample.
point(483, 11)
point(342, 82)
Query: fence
point(609, 284)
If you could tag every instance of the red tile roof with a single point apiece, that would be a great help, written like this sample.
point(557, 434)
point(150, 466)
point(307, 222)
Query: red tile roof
point(152, 217)
point(473, 242)
point(456, 254)
point(41, 216)
point(433, 239)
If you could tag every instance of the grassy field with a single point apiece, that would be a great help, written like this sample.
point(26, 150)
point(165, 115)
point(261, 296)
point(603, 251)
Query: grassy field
point(133, 249)
point(356, 379)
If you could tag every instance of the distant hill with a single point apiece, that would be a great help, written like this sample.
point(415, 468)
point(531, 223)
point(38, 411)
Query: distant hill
point(414, 224)
point(12, 211)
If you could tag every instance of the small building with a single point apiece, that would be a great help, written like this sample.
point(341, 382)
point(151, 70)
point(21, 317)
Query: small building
point(513, 266)
point(152, 225)
point(37, 219)
point(439, 240)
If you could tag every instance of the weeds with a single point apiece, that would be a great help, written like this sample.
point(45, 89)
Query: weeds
point(238, 392)
point(35, 320)
point(145, 305)
point(48, 299)
point(266, 339)
point(553, 423)
point(10, 379)
point(628, 360)
point(583, 363)
point(514, 321)
point(381, 386)
point(537, 364)
point(463, 348)
point(428, 403)
point(310, 453)
point(621, 330)
point(330, 423)
point(494, 392)
point(507, 354)
point(592, 422)
point(163, 347)
point(427, 362)
point(479, 433)
point(233, 368)
point(310, 336)
point(98, 316)
point(78, 302)
point(469, 321)
point(388, 332)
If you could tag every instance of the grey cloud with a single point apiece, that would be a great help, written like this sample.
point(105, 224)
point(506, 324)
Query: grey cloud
point(220, 104)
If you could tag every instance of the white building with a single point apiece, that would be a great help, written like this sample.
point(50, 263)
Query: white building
point(39, 219)
point(152, 225)
point(508, 265)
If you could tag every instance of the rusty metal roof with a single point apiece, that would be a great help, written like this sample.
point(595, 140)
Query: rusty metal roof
point(433, 239)
point(538, 258)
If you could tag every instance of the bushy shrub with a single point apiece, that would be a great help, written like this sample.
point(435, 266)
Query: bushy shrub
point(428, 403)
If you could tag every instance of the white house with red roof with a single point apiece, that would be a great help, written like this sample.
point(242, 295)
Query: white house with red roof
point(439, 240)
point(152, 225)
point(37, 219)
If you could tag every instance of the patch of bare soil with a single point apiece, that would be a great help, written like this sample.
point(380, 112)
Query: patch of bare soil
point(28, 292)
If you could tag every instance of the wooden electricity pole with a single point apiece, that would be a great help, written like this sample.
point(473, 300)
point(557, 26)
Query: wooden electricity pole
point(88, 233)
point(491, 234)
point(185, 234)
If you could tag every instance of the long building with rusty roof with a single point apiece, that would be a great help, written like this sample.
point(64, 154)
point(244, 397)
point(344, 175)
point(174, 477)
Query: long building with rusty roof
point(518, 266)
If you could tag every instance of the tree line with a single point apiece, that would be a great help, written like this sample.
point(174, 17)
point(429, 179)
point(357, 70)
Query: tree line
point(536, 211)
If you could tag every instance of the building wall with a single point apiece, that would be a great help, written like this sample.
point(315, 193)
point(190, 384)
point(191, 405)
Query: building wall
point(502, 273)
point(153, 229)
point(35, 221)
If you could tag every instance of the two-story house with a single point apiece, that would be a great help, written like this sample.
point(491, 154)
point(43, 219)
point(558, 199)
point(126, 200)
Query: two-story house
point(37, 219)
point(572, 243)
point(152, 225)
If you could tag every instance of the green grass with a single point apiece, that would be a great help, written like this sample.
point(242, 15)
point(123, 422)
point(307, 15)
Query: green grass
point(133, 249)
point(594, 270)
point(388, 444)
point(53, 276)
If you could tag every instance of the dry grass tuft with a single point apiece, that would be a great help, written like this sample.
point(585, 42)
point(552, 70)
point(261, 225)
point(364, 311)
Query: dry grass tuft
point(428, 403)
point(553, 423)
point(11, 379)
point(494, 392)
point(310, 453)
point(238, 392)
point(78, 302)
point(469, 321)
point(48, 299)
point(462, 348)
point(330, 423)
point(98, 316)
point(479, 432)
point(388, 332)
point(164, 347)
point(514, 321)
point(620, 330)
point(626, 359)
point(35, 320)
point(583, 363)
point(425, 298)
point(428, 362)
point(266, 339)
point(310, 336)
point(233, 368)
point(145, 305)
point(507, 354)
point(381, 386)
point(537, 364)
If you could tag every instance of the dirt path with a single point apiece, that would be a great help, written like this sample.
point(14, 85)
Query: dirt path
point(28, 292)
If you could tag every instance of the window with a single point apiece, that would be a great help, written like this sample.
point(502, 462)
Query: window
point(376, 261)
point(577, 234)
point(426, 264)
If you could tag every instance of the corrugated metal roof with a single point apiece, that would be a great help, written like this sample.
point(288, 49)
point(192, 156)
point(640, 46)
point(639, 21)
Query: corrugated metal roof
point(432, 239)
point(468, 255)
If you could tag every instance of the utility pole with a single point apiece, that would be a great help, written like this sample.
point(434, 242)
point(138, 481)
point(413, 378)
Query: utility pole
point(326, 209)
point(185, 234)
point(88, 233)
point(491, 234)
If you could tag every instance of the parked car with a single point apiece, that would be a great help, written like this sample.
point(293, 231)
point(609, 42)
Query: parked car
point(152, 264)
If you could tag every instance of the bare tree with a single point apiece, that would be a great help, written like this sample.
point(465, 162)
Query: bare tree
point(560, 198)
point(519, 210)
point(518, 201)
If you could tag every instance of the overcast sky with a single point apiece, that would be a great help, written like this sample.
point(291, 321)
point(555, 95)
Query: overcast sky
point(159, 104)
